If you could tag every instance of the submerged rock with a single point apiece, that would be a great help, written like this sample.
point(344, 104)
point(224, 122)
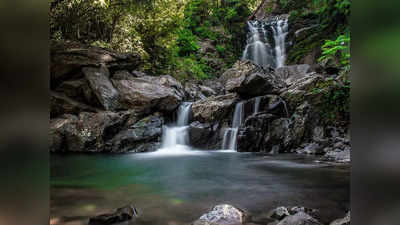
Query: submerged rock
point(222, 215)
point(299, 218)
point(120, 215)
point(342, 221)
point(279, 213)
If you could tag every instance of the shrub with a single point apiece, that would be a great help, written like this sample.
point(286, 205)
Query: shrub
point(339, 47)
point(187, 42)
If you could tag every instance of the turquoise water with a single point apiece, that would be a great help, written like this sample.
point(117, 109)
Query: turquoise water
point(178, 189)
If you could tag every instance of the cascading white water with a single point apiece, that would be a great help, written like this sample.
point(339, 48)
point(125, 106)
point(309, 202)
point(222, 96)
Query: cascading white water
point(230, 136)
point(257, 105)
point(280, 32)
point(258, 48)
point(175, 139)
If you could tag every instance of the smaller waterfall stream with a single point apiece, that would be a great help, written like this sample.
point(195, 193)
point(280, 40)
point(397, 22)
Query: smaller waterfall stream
point(175, 139)
point(280, 32)
point(257, 105)
point(230, 136)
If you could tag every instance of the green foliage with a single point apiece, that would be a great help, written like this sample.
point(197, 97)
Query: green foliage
point(186, 42)
point(190, 67)
point(337, 48)
point(335, 101)
point(221, 49)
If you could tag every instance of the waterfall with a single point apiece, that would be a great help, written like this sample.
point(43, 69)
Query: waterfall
point(175, 139)
point(280, 32)
point(230, 135)
point(257, 105)
point(258, 47)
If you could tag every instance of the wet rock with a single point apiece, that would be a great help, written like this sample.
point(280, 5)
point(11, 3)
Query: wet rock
point(247, 79)
point(101, 86)
point(342, 221)
point(279, 134)
point(312, 212)
point(213, 108)
point(312, 148)
point(292, 73)
point(147, 130)
point(61, 104)
point(299, 218)
point(193, 92)
point(145, 94)
point(68, 58)
point(300, 91)
point(222, 215)
point(250, 136)
point(58, 128)
point(200, 134)
point(279, 213)
point(337, 155)
point(120, 215)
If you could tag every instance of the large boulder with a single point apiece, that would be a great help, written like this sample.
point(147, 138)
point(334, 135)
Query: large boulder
point(222, 215)
point(248, 79)
point(99, 82)
point(204, 135)
point(145, 94)
point(141, 137)
point(68, 58)
point(87, 132)
point(213, 108)
point(299, 218)
point(251, 135)
point(61, 104)
point(57, 130)
point(122, 214)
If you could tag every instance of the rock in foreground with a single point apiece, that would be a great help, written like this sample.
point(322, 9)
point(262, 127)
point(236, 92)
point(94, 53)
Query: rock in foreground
point(222, 215)
point(299, 218)
point(120, 215)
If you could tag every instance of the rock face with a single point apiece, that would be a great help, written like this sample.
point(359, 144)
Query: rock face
point(292, 73)
point(98, 79)
point(147, 93)
point(143, 136)
point(97, 105)
point(120, 215)
point(299, 218)
point(247, 79)
point(222, 215)
point(213, 108)
point(68, 58)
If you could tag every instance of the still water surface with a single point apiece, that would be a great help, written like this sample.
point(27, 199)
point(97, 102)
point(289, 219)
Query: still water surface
point(176, 189)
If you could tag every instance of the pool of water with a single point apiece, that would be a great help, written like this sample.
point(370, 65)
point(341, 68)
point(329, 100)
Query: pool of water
point(177, 189)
